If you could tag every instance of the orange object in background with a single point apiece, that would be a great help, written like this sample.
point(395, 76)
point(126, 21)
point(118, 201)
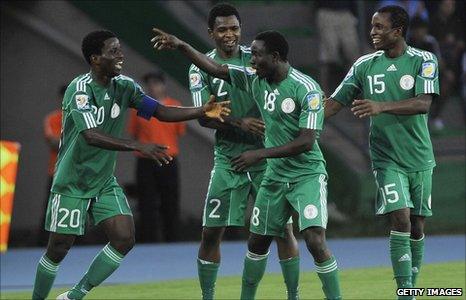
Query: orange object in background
point(9, 153)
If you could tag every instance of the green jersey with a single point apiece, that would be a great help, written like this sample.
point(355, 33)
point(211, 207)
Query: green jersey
point(286, 107)
point(81, 169)
point(228, 143)
point(400, 142)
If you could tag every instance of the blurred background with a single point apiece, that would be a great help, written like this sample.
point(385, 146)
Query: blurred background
point(40, 52)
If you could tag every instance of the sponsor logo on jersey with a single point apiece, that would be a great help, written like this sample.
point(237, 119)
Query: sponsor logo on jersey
point(195, 80)
point(288, 105)
point(115, 112)
point(407, 82)
point(392, 68)
point(310, 212)
point(313, 101)
point(349, 74)
point(82, 101)
point(250, 71)
point(428, 70)
point(106, 97)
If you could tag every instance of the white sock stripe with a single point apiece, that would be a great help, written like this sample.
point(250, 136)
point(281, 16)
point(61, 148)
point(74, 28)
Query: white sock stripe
point(111, 255)
point(393, 232)
point(48, 265)
point(255, 256)
point(327, 271)
point(324, 268)
point(113, 252)
point(414, 240)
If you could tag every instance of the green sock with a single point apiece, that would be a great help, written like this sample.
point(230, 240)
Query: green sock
point(417, 250)
point(103, 265)
point(328, 274)
point(45, 275)
point(207, 272)
point(254, 268)
point(400, 254)
point(290, 270)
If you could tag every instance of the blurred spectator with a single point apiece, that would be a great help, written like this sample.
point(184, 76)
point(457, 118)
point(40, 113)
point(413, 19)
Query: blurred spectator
point(158, 192)
point(447, 27)
point(52, 130)
point(337, 27)
point(415, 8)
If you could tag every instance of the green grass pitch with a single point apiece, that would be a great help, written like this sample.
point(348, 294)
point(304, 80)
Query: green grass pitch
point(370, 283)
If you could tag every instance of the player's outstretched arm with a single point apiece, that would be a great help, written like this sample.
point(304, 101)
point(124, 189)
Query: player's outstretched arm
point(412, 106)
point(97, 138)
point(331, 107)
point(249, 125)
point(212, 109)
point(163, 40)
point(304, 142)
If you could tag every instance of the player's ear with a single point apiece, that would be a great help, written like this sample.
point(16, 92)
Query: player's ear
point(210, 32)
point(275, 56)
point(95, 59)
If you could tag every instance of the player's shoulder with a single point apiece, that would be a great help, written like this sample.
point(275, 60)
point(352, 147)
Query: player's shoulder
point(245, 49)
point(367, 58)
point(299, 79)
point(79, 84)
point(123, 79)
point(420, 54)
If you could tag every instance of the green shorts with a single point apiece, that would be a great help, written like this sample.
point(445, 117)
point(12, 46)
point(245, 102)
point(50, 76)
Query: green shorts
point(68, 215)
point(227, 197)
point(275, 201)
point(397, 190)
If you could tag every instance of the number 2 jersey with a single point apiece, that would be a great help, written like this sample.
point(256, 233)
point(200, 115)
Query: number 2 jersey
point(399, 142)
point(81, 169)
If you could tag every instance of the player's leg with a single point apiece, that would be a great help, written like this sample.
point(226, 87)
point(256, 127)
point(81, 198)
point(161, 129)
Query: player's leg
point(170, 203)
point(148, 198)
point(421, 187)
point(268, 220)
point(65, 218)
point(224, 206)
point(112, 212)
point(309, 198)
point(288, 254)
point(393, 199)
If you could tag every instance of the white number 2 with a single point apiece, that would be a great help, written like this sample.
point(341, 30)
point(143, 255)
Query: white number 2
point(212, 213)
point(376, 84)
point(220, 93)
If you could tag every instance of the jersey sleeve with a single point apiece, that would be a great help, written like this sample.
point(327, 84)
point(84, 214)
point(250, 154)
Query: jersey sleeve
point(81, 111)
point(427, 80)
point(349, 88)
point(137, 94)
point(199, 86)
point(311, 108)
point(242, 77)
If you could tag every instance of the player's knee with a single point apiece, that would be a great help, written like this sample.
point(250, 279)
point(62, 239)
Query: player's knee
point(259, 244)
point(315, 242)
point(123, 244)
point(57, 250)
point(211, 238)
point(417, 228)
point(401, 224)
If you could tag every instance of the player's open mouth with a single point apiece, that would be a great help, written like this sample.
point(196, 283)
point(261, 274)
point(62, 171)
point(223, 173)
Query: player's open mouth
point(376, 40)
point(230, 43)
point(119, 65)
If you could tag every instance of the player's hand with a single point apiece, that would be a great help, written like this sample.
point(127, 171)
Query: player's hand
point(366, 108)
point(253, 125)
point(155, 152)
point(245, 160)
point(163, 40)
point(216, 110)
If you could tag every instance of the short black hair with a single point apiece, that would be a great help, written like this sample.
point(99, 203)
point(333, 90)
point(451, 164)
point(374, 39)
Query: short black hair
point(158, 76)
point(398, 17)
point(93, 43)
point(222, 10)
point(274, 41)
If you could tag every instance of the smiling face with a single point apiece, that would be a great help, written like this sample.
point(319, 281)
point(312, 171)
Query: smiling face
point(110, 61)
point(264, 62)
point(226, 33)
point(383, 36)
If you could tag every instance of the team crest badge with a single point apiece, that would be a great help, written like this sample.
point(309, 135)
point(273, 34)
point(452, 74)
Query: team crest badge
point(288, 105)
point(407, 82)
point(195, 80)
point(428, 70)
point(310, 212)
point(313, 101)
point(82, 101)
point(115, 112)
